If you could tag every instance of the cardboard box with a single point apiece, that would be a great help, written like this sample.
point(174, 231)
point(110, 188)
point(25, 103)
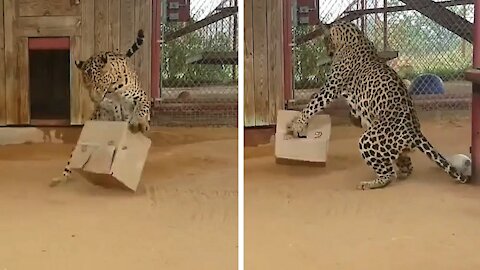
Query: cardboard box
point(311, 150)
point(108, 154)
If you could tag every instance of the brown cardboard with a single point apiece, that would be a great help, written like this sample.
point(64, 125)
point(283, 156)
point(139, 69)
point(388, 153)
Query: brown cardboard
point(108, 154)
point(312, 149)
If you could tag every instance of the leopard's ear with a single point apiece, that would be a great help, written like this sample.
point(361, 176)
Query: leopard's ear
point(79, 64)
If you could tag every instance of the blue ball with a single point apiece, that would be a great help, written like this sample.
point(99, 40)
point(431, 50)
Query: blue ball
point(427, 84)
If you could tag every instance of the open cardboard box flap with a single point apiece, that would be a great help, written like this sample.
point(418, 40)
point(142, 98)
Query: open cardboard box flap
point(319, 126)
point(313, 148)
point(107, 153)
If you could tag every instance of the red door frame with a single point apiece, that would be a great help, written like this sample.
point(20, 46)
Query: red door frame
point(49, 43)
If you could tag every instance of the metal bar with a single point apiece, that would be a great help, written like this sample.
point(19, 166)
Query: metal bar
point(443, 17)
point(475, 151)
point(355, 14)
point(224, 13)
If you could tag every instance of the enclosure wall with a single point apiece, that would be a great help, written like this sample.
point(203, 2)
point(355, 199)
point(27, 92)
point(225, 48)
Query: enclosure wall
point(91, 25)
point(264, 61)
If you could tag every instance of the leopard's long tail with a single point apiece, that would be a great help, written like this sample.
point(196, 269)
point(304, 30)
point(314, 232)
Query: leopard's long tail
point(426, 147)
point(136, 45)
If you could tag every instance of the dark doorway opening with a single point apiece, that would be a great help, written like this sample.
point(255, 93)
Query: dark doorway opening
point(49, 67)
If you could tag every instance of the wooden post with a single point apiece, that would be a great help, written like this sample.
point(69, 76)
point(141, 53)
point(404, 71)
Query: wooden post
point(475, 151)
point(287, 50)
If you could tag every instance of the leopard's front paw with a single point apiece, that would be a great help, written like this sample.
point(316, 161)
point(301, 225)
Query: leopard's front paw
point(138, 125)
point(297, 127)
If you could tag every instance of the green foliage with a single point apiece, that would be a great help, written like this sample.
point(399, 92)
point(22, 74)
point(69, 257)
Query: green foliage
point(175, 71)
point(424, 47)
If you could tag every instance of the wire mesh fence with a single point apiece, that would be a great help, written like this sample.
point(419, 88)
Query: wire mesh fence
point(429, 44)
point(199, 67)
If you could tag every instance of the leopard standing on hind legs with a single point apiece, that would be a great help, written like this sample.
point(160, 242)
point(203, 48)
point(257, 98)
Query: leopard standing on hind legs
point(100, 77)
point(379, 98)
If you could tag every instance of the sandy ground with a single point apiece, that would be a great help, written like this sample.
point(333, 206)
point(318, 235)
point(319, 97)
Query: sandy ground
point(184, 215)
point(313, 218)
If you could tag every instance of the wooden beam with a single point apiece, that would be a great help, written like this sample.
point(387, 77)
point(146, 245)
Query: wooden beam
point(102, 28)
point(12, 96)
point(32, 8)
point(81, 48)
point(127, 24)
point(275, 59)
point(143, 58)
point(23, 105)
point(222, 14)
point(49, 26)
point(444, 17)
point(3, 112)
point(114, 23)
point(249, 88)
point(260, 62)
point(353, 15)
point(214, 58)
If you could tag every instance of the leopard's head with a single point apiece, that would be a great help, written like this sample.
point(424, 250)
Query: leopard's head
point(91, 68)
point(340, 34)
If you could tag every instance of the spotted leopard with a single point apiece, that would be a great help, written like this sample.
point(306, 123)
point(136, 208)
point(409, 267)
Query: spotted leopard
point(380, 99)
point(111, 72)
point(108, 105)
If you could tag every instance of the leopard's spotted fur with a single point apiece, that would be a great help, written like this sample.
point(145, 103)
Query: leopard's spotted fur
point(111, 72)
point(107, 88)
point(379, 98)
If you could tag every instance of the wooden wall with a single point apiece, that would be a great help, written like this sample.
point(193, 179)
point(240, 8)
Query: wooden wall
point(264, 62)
point(91, 25)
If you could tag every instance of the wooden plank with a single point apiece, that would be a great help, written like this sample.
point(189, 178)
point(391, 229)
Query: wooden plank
point(80, 105)
point(3, 115)
point(49, 26)
point(143, 20)
point(101, 26)
point(80, 102)
point(260, 62)
point(127, 21)
point(2, 35)
point(114, 22)
point(88, 29)
point(23, 104)
point(249, 88)
point(11, 79)
point(275, 59)
point(32, 8)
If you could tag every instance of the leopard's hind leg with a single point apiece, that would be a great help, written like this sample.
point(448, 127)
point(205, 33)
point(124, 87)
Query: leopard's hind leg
point(99, 113)
point(404, 165)
point(380, 146)
point(66, 175)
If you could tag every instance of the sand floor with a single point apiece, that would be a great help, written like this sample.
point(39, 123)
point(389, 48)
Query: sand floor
point(314, 218)
point(184, 215)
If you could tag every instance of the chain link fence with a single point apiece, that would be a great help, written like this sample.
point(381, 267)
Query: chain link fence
point(429, 44)
point(199, 77)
